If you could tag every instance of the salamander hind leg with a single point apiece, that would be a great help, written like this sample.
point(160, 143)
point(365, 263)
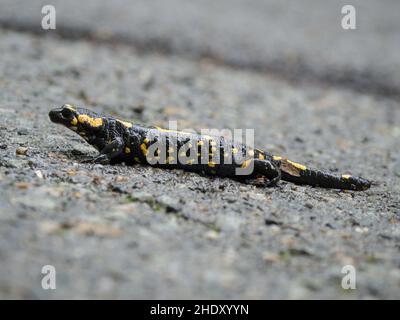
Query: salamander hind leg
point(269, 170)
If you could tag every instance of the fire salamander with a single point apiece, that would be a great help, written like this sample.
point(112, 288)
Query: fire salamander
point(120, 141)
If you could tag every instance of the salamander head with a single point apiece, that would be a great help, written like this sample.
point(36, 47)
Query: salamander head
point(85, 122)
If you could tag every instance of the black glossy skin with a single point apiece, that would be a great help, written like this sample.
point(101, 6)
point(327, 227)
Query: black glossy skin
point(119, 141)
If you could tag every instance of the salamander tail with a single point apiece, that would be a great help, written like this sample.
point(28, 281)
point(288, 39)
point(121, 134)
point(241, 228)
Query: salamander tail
point(300, 174)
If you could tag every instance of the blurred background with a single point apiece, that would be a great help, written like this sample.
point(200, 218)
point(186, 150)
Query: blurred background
point(313, 91)
point(296, 39)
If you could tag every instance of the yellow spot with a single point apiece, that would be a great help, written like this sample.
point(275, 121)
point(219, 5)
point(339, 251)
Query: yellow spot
point(158, 151)
point(70, 107)
point(211, 164)
point(125, 123)
point(297, 165)
point(261, 156)
point(346, 176)
point(93, 122)
point(143, 147)
point(276, 158)
point(146, 140)
point(136, 159)
point(250, 153)
point(213, 149)
point(245, 164)
point(190, 162)
point(234, 150)
point(170, 150)
point(212, 143)
point(182, 154)
point(74, 121)
point(190, 145)
point(200, 143)
point(127, 150)
point(170, 159)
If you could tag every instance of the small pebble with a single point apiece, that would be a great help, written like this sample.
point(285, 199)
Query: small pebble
point(39, 174)
point(22, 185)
point(23, 132)
point(270, 257)
point(211, 235)
point(362, 230)
point(171, 204)
point(309, 205)
point(21, 151)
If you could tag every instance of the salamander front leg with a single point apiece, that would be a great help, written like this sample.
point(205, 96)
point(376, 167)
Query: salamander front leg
point(109, 152)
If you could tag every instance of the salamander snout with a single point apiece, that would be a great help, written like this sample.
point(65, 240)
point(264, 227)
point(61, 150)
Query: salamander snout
point(64, 115)
point(54, 115)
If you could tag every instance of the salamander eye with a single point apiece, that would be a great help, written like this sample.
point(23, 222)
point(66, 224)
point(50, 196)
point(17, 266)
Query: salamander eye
point(66, 113)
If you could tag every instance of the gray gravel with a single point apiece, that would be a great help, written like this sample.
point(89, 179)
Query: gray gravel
point(139, 232)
